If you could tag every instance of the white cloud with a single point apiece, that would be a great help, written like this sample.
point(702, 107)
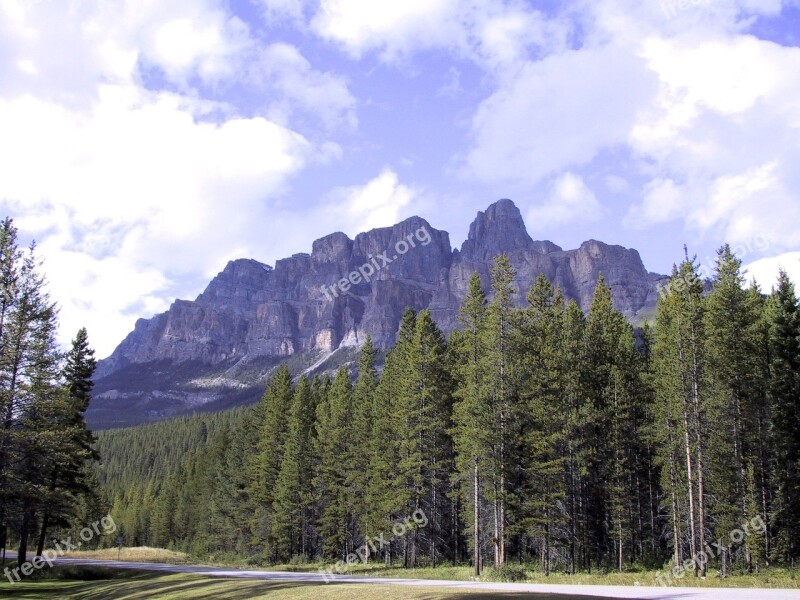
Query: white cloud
point(765, 270)
point(557, 114)
point(380, 202)
point(663, 201)
point(282, 69)
point(136, 196)
point(494, 34)
point(132, 193)
point(393, 27)
point(726, 126)
point(570, 200)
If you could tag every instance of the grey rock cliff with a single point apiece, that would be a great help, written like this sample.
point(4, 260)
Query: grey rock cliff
point(253, 315)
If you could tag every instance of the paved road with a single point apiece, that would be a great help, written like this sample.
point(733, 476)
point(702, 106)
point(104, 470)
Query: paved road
point(589, 591)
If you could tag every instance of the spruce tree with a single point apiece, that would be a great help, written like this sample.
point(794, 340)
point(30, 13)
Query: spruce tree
point(500, 325)
point(359, 459)
point(267, 460)
point(334, 417)
point(681, 397)
point(736, 397)
point(472, 424)
point(293, 498)
point(784, 408)
point(546, 409)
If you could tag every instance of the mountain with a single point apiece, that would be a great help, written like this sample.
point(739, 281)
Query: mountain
point(314, 310)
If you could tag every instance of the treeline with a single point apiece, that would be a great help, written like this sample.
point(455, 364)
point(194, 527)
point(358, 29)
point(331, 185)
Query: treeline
point(534, 434)
point(44, 442)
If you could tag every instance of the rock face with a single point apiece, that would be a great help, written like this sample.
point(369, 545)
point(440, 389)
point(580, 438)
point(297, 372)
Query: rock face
point(209, 352)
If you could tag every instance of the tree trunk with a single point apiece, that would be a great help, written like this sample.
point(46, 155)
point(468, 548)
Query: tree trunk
point(690, 477)
point(24, 532)
point(43, 533)
point(477, 529)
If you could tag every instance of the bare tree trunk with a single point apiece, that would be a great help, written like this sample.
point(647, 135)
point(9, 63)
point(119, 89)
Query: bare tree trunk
point(43, 533)
point(495, 537)
point(477, 528)
point(690, 476)
point(24, 533)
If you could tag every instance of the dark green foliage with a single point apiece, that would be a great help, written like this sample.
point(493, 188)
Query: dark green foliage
point(784, 406)
point(44, 443)
point(530, 434)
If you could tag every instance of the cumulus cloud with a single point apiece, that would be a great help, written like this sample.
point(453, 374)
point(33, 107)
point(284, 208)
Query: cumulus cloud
point(490, 32)
point(380, 202)
point(136, 196)
point(765, 270)
point(726, 127)
point(556, 114)
point(701, 115)
point(570, 200)
point(132, 191)
point(282, 69)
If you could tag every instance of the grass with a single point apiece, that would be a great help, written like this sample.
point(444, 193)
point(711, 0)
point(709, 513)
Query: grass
point(778, 578)
point(770, 578)
point(141, 554)
point(96, 584)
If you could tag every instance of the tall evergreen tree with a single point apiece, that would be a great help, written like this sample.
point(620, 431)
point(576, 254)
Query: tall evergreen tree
point(679, 359)
point(504, 404)
point(359, 459)
point(69, 477)
point(784, 407)
point(545, 409)
point(292, 504)
point(472, 426)
point(267, 463)
point(334, 416)
point(736, 397)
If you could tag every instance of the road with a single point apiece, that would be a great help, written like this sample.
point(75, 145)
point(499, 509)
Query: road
point(589, 591)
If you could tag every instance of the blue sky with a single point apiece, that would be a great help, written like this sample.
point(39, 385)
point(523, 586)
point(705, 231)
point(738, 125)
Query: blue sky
point(145, 143)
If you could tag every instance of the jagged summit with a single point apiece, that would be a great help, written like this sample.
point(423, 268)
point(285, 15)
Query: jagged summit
point(251, 316)
point(499, 229)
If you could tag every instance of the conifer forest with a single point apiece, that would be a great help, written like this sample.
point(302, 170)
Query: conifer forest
point(576, 442)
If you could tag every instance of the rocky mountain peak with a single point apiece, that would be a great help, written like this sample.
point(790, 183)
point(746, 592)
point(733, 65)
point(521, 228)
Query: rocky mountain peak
point(498, 229)
point(217, 350)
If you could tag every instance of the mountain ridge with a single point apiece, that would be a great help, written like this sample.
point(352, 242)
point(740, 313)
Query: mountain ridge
point(205, 353)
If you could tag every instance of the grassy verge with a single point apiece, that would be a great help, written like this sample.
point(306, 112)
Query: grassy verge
point(79, 584)
point(141, 554)
point(777, 578)
point(770, 578)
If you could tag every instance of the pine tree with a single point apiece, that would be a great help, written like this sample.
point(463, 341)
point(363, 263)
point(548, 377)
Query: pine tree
point(292, 505)
point(383, 500)
point(784, 408)
point(735, 395)
point(272, 436)
point(574, 360)
point(68, 474)
point(334, 417)
point(423, 416)
point(679, 364)
point(612, 371)
point(472, 428)
point(546, 409)
point(363, 418)
point(504, 404)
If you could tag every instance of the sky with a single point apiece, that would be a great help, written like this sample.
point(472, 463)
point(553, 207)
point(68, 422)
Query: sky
point(144, 143)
